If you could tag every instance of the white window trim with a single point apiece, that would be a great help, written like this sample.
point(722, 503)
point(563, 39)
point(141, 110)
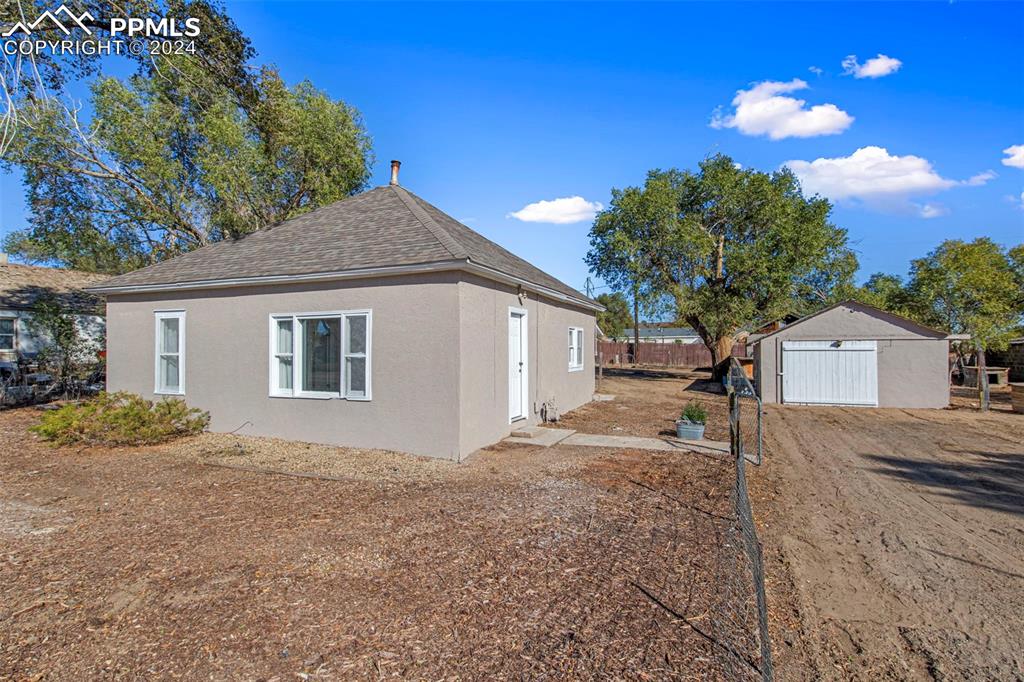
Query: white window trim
point(297, 359)
point(159, 316)
point(576, 361)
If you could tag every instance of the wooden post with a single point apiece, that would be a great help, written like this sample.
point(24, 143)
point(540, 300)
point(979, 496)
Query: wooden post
point(983, 394)
point(636, 325)
point(600, 369)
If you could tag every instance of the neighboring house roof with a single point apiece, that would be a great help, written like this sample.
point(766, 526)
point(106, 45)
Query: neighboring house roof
point(661, 331)
point(22, 285)
point(387, 230)
point(865, 308)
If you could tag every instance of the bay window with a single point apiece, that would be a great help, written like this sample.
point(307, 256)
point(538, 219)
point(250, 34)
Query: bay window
point(320, 355)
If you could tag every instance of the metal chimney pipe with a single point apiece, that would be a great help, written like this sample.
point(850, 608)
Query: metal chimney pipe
point(395, 165)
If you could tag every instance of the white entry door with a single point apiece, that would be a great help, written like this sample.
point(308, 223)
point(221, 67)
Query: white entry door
point(830, 372)
point(518, 371)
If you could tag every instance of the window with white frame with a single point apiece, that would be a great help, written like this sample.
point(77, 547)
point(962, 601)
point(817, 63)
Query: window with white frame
point(321, 355)
point(170, 352)
point(575, 349)
point(7, 331)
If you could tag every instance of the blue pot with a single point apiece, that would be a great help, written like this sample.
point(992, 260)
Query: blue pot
point(689, 431)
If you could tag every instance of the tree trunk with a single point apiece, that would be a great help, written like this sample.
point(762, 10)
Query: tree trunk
point(721, 351)
point(982, 381)
point(636, 325)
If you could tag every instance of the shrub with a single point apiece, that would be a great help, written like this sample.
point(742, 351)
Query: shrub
point(695, 413)
point(120, 419)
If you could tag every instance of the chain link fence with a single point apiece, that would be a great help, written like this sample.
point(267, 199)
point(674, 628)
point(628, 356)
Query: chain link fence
point(748, 412)
point(741, 615)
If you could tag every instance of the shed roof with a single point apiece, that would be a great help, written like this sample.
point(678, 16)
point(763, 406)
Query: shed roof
point(22, 285)
point(864, 308)
point(385, 228)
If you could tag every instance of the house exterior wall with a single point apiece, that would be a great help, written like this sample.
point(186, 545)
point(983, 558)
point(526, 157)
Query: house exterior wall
point(439, 364)
point(28, 342)
point(483, 354)
point(414, 368)
point(913, 367)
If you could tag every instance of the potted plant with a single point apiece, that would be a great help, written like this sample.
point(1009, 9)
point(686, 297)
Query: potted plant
point(690, 425)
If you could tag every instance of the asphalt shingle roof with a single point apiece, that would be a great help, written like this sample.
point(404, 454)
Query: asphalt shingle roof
point(22, 285)
point(386, 226)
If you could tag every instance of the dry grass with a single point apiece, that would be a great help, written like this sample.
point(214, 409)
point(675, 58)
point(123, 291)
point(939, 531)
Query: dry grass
point(520, 563)
point(649, 401)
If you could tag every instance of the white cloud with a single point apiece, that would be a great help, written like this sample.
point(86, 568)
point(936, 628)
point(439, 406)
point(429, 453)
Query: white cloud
point(764, 110)
point(1016, 201)
point(1014, 156)
point(933, 211)
point(560, 211)
point(980, 179)
point(869, 173)
point(815, 70)
point(876, 67)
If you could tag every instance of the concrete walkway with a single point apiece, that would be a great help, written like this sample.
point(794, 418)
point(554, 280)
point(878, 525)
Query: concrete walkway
point(638, 443)
point(546, 437)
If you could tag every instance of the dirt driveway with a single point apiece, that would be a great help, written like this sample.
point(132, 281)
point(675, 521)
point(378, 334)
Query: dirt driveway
point(902, 536)
point(567, 563)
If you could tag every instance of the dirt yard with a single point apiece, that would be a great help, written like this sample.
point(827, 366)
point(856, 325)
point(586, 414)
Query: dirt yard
point(648, 403)
point(894, 541)
point(567, 563)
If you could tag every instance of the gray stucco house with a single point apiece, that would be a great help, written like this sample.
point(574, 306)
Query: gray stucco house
point(376, 322)
point(853, 354)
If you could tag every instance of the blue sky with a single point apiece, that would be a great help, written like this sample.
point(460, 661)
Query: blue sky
point(492, 107)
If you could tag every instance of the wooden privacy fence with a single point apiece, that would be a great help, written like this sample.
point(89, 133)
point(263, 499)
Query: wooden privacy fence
point(664, 354)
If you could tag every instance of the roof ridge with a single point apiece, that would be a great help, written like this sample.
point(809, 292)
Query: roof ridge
point(440, 234)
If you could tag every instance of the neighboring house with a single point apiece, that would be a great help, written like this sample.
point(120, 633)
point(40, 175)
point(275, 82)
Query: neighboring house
point(374, 322)
point(21, 286)
point(661, 334)
point(1012, 358)
point(853, 354)
point(776, 325)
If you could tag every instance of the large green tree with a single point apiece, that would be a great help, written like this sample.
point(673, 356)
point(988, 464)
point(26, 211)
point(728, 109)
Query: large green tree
point(731, 246)
point(616, 317)
point(888, 292)
point(185, 152)
point(971, 288)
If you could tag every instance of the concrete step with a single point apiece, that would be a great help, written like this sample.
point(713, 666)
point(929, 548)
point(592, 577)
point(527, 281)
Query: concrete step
point(526, 431)
point(539, 435)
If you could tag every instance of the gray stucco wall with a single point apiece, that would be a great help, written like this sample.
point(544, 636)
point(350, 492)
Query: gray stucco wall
point(439, 360)
point(913, 364)
point(414, 363)
point(484, 359)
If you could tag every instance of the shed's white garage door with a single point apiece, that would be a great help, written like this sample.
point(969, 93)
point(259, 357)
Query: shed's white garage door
point(830, 372)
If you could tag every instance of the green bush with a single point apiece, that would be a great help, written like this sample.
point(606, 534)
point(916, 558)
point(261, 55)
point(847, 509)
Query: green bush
point(695, 413)
point(120, 419)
